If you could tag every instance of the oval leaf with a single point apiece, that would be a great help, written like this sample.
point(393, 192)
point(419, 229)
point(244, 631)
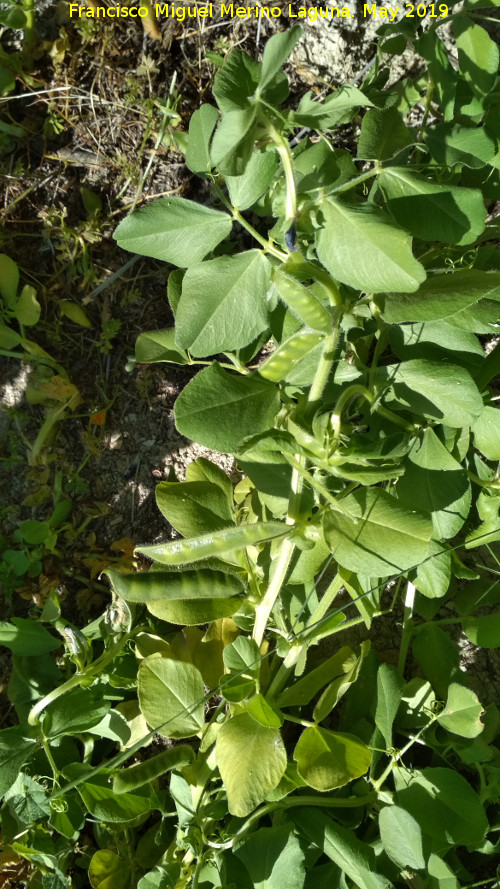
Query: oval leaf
point(219, 410)
point(401, 837)
point(223, 304)
point(171, 696)
point(381, 538)
point(173, 229)
point(462, 711)
point(442, 296)
point(360, 247)
point(251, 760)
point(327, 760)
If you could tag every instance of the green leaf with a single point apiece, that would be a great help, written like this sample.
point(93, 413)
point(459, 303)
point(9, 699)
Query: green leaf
point(442, 296)
point(337, 689)
point(246, 189)
point(236, 81)
point(34, 532)
point(462, 712)
point(276, 52)
point(242, 656)
point(27, 637)
point(483, 317)
point(251, 760)
point(15, 748)
point(337, 108)
point(100, 799)
point(232, 145)
point(383, 134)
point(486, 431)
point(262, 712)
point(442, 72)
point(327, 760)
point(446, 808)
point(273, 858)
point(171, 692)
point(433, 576)
point(483, 631)
point(28, 800)
point(431, 211)
point(174, 288)
point(478, 55)
point(355, 858)
point(9, 339)
point(203, 470)
point(161, 877)
point(434, 482)
point(468, 146)
point(219, 410)
point(437, 656)
point(390, 686)
point(437, 341)
point(108, 871)
point(155, 346)
point(76, 711)
point(445, 393)
point(488, 507)
point(303, 691)
point(173, 229)
point(143, 772)
point(442, 877)
point(28, 309)
point(183, 552)
point(381, 538)
point(401, 837)
point(69, 819)
point(14, 18)
point(201, 127)
point(223, 305)
point(7, 81)
point(194, 508)
point(360, 247)
point(321, 166)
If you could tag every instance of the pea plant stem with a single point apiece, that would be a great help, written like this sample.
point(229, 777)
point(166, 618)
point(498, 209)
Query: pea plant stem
point(407, 626)
point(323, 370)
point(52, 763)
point(379, 782)
point(267, 245)
point(76, 679)
point(266, 605)
point(352, 802)
point(286, 158)
point(356, 181)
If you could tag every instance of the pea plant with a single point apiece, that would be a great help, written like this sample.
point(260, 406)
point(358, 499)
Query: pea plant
point(342, 362)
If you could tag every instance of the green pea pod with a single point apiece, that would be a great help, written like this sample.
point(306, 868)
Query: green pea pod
point(153, 586)
point(286, 356)
point(188, 597)
point(183, 552)
point(143, 772)
point(302, 302)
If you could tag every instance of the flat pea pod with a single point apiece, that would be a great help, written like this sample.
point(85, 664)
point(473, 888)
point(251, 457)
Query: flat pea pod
point(154, 586)
point(304, 304)
point(195, 549)
point(143, 772)
point(286, 356)
point(187, 597)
